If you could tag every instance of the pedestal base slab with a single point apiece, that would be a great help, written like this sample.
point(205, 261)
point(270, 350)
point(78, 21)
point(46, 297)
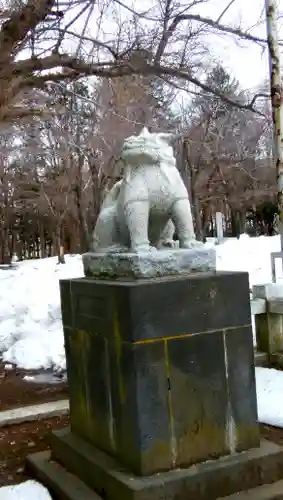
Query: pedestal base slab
point(98, 474)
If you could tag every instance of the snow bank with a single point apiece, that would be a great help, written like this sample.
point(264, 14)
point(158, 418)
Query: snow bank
point(249, 254)
point(30, 490)
point(269, 386)
point(30, 317)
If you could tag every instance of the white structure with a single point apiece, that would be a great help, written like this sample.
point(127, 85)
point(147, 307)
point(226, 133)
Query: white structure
point(219, 226)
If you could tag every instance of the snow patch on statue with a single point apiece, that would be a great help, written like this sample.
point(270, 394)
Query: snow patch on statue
point(142, 211)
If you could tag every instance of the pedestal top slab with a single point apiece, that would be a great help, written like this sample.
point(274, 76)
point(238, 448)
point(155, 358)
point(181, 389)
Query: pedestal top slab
point(149, 264)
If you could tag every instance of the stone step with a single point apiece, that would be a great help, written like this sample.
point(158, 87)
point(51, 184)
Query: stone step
point(66, 485)
point(58, 480)
point(261, 358)
point(266, 492)
point(276, 359)
point(206, 481)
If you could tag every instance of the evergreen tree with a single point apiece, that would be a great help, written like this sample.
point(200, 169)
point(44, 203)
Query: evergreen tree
point(218, 79)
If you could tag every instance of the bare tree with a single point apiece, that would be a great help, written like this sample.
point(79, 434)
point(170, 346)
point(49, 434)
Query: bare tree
point(43, 41)
point(221, 151)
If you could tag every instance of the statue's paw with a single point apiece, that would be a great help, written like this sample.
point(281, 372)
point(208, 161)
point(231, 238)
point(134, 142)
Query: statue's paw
point(114, 248)
point(191, 244)
point(169, 244)
point(117, 248)
point(143, 249)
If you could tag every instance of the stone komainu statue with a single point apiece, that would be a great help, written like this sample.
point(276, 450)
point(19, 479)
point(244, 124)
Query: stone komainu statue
point(141, 211)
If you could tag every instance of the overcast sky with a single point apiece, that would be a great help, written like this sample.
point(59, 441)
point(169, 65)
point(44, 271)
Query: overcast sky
point(248, 64)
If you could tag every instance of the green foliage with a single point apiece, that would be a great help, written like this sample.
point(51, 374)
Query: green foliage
point(220, 80)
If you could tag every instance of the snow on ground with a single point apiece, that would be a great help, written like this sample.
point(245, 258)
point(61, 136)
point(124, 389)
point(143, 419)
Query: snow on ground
point(249, 254)
point(29, 490)
point(30, 317)
point(269, 384)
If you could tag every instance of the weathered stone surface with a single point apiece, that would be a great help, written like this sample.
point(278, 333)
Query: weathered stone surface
point(89, 383)
point(196, 303)
point(159, 308)
point(66, 303)
point(205, 481)
point(199, 397)
point(243, 429)
point(265, 492)
point(139, 394)
point(275, 306)
point(269, 332)
point(58, 480)
point(149, 264)
point(34, 412)
point(147, 367)
point(261, 359)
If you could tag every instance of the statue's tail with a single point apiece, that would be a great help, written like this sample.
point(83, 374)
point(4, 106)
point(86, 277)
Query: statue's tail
point(112, 195)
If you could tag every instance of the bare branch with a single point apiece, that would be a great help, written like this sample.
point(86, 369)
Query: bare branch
point(110, 70)
point(15, 29)
point(225, 10)
point(217, 26)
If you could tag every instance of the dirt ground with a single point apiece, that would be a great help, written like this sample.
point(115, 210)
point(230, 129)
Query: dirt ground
point(16, 392)
point(18, 441)
point(274, 434)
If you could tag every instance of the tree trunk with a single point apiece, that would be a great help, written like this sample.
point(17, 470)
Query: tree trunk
point(242, 216)
point(96, 192)
point(235, 227)
point(19, 250)
point(59, 244)
point(197, 214)
point(226, 217)
point(6, 257)
point(205, 221)
point(83, 231)
point(6, 253)
point(193, 195)
point(42, 241)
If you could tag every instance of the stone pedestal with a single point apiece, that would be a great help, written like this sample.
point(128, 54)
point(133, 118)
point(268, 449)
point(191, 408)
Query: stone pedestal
point(161, 377)
point(166, 262)
point(161, 371)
